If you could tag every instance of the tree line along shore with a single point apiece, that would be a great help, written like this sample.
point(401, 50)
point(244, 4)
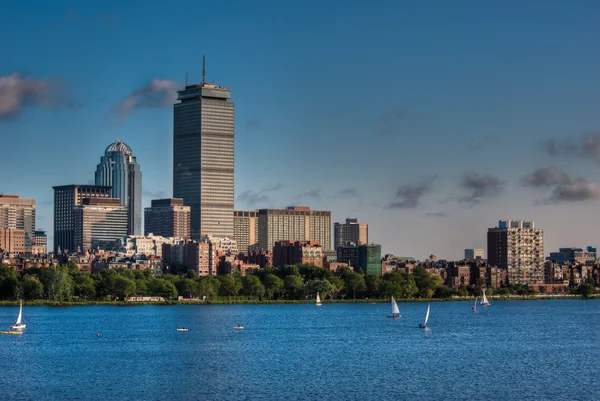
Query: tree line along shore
point(290, 284)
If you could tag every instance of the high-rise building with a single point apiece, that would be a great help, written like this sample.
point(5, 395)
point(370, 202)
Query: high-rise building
point(99, 224)
point(369, 259)
point(66, 197)
point(517, 246)
point(18, 214)
point(40, 243)
point(12, 240)
point(167, 218)
point(119, 169)
point(350, 232)
point(474, 254)
point(245, 229)
point(203, 160)
point(296, 223)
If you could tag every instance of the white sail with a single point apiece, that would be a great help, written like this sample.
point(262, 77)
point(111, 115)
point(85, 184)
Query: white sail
point(20, 314)
point(318, 299)
point(395, 309)
point(485, 301)
point(475, 305)
point(427, 315)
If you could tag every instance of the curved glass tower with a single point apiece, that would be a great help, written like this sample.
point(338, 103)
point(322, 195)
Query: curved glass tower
point(119, 169)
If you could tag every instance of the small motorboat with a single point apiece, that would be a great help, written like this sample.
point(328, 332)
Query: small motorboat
point(182, 329)
point(239, 327)
point(11, 332)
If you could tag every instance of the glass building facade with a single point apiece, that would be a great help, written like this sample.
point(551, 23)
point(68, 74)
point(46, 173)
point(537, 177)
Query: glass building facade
point(203, 158)
point(99, 224)
point(119, 169)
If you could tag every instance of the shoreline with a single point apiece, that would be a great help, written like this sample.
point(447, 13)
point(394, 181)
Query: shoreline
point(283, 302)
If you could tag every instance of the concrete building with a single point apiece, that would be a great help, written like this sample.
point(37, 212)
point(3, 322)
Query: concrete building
point(119, 169)
point(296, 223)
point(40, 242)
point(222, 244)
point(12, 240)
point(167, 218)
point(350, 232)
point(201, 258)
point(66, 198)
point(149, 245)
point(99, 224)
point(573, 255)
point(369, 259)
point(295, 252)
point(18, 214)
point(245, 229)
point(518, 247)
point(203, 157)
point(474, 254)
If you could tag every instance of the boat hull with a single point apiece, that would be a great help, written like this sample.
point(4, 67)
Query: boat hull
point(11, 332)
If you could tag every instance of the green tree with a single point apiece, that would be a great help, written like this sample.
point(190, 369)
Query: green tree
point(273, 285)
point(8, 281)
point(162, 288)
point(124, 287)
point(84, 286)
point(61, 286)
point(443, 291)
point(354, 283)
point(32, 287)
point(323, 287)
point(141, 286)
point(586, 290)
point(398, 284)
point(294, 287)
point(337, 285)
point(207, 286)
point(426, 283)
point(252, 286)
point(186, 287)
point(372, 282)
point(229, 285)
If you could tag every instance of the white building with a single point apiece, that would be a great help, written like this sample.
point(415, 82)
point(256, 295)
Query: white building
point(147, 245)
point(222, 244)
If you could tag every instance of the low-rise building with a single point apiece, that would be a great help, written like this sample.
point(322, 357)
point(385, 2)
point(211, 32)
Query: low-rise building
point(295, 252)
point(12, 240)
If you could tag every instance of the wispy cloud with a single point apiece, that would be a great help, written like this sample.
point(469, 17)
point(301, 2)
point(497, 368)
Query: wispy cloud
point(478, 187)
point(156, 93)
point(158, 194)
point(18, 92)
point(436, 214)
point(313, 194)
point(587, 146)
point(252, 197)
point(386, 124)
point(409, 196)
point(564, 188)
point(351, 192)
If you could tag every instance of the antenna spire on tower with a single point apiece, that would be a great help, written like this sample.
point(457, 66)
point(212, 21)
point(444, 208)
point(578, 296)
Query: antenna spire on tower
point(203, 68)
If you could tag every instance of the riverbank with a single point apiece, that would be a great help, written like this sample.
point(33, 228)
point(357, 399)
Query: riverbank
point(242, 301)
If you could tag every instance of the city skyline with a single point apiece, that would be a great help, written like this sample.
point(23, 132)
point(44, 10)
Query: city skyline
point(449, 132)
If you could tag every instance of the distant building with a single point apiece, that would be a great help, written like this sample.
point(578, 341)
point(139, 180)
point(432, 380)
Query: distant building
point(474, 254)
point(149, 245)
point(168, 218)
point(350, 232)
point(573, 255)
point(369, 259)
point(222, 244)
point(66, 198)
point(287, 253)
point(518, 247)
point(99, 223)
point(18, 214)
point(459, 275)
point(12, 240)
point(40, 242)
point(348, 254)
point(245, 229)
point(119, 170)
point(296, 223)
point(203, 157)
point(201, 258)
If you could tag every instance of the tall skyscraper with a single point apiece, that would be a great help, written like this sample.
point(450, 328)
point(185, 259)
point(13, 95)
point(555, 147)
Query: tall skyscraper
point(66, 197)
point(296, 223)
point(245, 229)
point(167, 218)
point(98, 223)
point(203, 136)
point(18, 214)
point(119, 169)
point(517, 246)
point(351, 231)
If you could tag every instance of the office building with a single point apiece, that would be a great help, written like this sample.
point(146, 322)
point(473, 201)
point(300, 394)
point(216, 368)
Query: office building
point(66, 198)
point(474, 254)
point(119, 169)
point(18, 214)
point(167, 218)
point(296, 223)
point(369, 259)
point(203, 161)
point(99, 224)
point(573, 255)
point(518, 247)
point(12, 240)
point(245, 229)
point(40, 242)
point(287, 253)
point(350, 232)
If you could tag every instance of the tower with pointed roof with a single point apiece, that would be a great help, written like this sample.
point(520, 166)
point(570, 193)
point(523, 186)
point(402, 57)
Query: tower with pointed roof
point(119, 169)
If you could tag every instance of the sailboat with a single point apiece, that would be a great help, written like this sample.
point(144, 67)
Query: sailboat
point(318, 300)
point(485, 301)
point(424, 324)
point(18, 325)
point(475, 305)
point(395, 309)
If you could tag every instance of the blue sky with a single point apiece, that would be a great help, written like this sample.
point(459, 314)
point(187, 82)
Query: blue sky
point(426, 120)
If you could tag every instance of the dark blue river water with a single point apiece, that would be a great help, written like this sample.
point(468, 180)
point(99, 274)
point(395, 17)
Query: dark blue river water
point(513, 350)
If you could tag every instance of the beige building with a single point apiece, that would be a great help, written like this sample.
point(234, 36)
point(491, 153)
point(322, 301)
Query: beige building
point(201, 258)
point(296, 223)
point(350, 232)
point(245, 229)
point(18, 214)
point(12, 240)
